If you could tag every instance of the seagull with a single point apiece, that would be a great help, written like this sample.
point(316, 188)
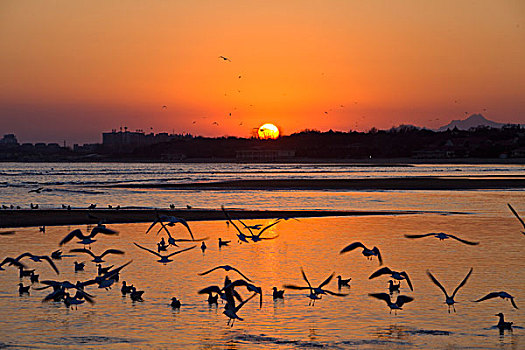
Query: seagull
point(87, 240)
point(502, 295)
point(449, 300)
point(502, 325)
point(369, 253)
point(70, 301)
point(231, 310)
point(315, 292)
point(213, 294)
point(107, 280)
point(56, 255)
point(343, 282)
point(258, 238)
point(397, 305)
point(171, 221)
point(125, 289)
point(442, 236)
point(164, 258)
point(225, 58)
point(136, 295)
point(250, 287)
point(394, 274)
point(277, 294)
point(203, 247)
point(175, 303)
point(23, 289)
point(226, 268)
point(393, 287)
point(38, 190)
point(516, 213)
point(97, 258)
point(221, 242)
point(39, 258)
point(5, 233)
point(240, 235)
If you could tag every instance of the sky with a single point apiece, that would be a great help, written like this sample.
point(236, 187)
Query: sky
point(70, 70)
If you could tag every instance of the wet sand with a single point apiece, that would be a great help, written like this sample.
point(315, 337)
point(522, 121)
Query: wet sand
point(57, 217)
point(409, 183)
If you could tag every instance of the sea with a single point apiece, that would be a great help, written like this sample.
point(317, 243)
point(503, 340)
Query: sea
point(312, 245)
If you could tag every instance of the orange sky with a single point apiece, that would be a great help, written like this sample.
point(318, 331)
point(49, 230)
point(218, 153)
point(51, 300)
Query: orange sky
point(70, 70)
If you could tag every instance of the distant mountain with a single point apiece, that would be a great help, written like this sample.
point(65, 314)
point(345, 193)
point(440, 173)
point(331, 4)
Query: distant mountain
point(473, 121)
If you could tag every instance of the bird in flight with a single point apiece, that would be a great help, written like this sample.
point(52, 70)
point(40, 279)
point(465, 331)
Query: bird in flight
point(442, 236)
point(368, 253)
point(449, 300)
point(164, 258)
point(402, 275)
point(502, 295)
point(397, 305)
point(226, 268)
point(225, 58)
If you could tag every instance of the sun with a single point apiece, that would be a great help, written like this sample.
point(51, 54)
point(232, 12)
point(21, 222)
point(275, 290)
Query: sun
point(268, 131)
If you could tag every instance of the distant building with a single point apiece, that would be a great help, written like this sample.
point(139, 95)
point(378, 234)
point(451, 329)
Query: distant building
point(9, 140)
point(126, 141)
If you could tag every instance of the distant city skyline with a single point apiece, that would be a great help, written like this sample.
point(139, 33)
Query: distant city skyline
point(73, 70)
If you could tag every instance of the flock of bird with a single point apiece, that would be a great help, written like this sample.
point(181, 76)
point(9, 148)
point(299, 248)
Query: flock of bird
point(74, 294)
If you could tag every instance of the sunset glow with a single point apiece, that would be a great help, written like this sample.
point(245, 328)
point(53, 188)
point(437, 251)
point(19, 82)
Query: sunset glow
point(75, 69)
point(268, 131)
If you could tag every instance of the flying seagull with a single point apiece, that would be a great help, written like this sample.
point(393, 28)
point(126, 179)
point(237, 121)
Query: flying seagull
point(368, 253)
point(226, 268)
point(225, 58)
point(449, 300)
point(502, 295)
point(164, 258)
point(402, 275)
point(397, 305)
point(442, 236)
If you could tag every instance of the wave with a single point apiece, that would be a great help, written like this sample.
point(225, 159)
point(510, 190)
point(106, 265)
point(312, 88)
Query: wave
point(262, 339)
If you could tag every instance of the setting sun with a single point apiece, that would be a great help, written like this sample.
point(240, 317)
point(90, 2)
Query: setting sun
point(268, 131)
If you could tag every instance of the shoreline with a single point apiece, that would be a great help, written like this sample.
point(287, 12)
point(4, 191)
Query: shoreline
point(60, 217)
point(409, 183)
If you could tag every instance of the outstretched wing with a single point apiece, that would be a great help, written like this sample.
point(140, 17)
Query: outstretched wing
point(404, 274)
point(82, 250)
point(420, 236)
point(293, 286)
point(51, 263)
point(336, 294)
point(378, 253)
point(436, 282)
point(513, 303)
point(462, 282)
point(149, 250)
point(516, 214)
point(75, 233)
point(12, 261)
point(182, 250)
point(306, 279)
point(99, 229)
point(403, 299)
point(352, 247)
point(381, 296)
point(112, 251)
point(231, 221)
point(488, 296)
point(463, 241)
point(174, 220)
point(211, 270)
point(240, 273)
point(267, 227)
point(382, 271)
point(326, 281)
point(210, 289)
